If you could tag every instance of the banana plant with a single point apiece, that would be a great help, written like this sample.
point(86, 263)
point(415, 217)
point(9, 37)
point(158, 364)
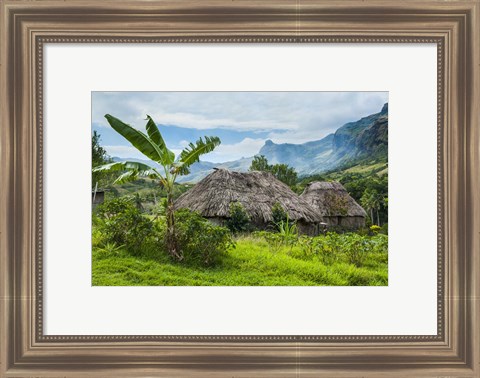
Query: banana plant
point(153, 146)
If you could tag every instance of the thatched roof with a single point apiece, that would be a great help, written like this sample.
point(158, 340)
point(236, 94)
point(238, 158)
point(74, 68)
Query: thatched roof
point(332, 199)
point(256, 191)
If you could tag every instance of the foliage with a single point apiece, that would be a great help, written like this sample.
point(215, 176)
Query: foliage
point(356, 249)
point(99, 157)
point(287, 235)
point(278, 214)
point(288, 231)
point(375, 229)
point(260, 163)
point(153, 146)
point(282, 172)
point(251, 263)
point(285, 174)
point(239, 220)
point(121, 223)
point(109, 249)
point(329, 249)
point(201, 242)
point(273, 239)
point(368, 187)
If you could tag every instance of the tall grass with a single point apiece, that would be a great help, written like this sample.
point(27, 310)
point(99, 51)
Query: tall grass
point(251, 263)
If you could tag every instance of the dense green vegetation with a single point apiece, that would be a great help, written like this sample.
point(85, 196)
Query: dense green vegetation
point(251, 263)
point(366, 181)
point(283, 172)
point(132, 231)
point(99, 157)
point(153, 146)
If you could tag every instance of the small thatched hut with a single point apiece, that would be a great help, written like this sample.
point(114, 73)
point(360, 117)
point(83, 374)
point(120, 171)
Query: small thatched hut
point(332, 201)
point(256, 191)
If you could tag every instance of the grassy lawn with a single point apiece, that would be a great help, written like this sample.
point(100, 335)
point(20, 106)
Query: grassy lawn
point(251, 263)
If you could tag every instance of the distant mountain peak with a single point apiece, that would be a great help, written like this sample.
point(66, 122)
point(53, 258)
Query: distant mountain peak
point(366, 137)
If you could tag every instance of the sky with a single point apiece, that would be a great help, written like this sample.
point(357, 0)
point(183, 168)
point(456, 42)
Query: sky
point(242, 120)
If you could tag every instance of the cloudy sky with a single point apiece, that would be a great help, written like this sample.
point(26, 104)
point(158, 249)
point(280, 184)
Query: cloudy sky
point(242, 120)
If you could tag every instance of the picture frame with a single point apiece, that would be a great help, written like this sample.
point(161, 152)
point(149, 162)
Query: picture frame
point(27, 26)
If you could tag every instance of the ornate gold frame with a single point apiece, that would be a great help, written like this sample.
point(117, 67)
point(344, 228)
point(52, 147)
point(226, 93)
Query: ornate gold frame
point(26, 26)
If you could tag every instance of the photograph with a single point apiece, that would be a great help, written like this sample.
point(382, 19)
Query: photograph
point(239, 188)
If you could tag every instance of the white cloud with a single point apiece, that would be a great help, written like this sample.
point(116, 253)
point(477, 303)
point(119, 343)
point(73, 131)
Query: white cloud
point(239, 111)
point(287, 117)
point(228, 152)
point(130, 152)
point(124, 152)
point(200, 122)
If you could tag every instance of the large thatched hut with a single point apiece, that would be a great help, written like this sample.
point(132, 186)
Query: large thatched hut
point(332, 201)
point(256, 191)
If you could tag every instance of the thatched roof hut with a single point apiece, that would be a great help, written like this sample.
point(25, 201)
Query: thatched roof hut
point(256, 191)
point(332, 201)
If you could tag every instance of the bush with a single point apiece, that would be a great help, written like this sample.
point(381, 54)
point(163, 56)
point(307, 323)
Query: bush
point(329, 247)
point(274, 240)
point(239, 220)
point(384, 229)
point(288, 232)
point(286, 236)
point(356, 248)
point(200, 241)
point(120, 222)
point(279, 215)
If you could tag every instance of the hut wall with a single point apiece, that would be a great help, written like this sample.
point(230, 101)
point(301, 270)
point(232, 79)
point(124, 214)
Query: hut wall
point(346, 223)
point(352, 223)
point(331, 221)
point(310, 229)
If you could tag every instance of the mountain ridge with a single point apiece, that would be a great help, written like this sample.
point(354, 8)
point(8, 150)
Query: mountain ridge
point(366, 138)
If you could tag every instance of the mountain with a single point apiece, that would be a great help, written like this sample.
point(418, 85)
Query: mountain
point(201, 169)
point(352, 143)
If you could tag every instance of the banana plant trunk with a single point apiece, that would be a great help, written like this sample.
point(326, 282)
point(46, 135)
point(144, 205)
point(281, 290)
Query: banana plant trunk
point(172, 246)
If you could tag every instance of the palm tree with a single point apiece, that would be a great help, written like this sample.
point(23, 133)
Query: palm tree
point(153, 147)
point(367, 202)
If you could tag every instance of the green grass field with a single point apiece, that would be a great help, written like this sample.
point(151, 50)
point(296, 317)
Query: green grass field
point(251, 263)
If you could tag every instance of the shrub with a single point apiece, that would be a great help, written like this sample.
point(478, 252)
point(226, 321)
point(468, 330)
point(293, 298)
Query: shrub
point(375, 229)
point(200, 241)
point(384, 229)
point(356, 248)
point(288, 232)
point(121, 222)
point(286, 236)
point(328, 248)
point(308, 247)
point(279, 215)
point(239, 220)
point(274, 240)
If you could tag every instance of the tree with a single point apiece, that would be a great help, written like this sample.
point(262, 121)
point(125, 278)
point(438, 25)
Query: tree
point(99, 157)
point(372, 201)
point(260, 163)
point(282, 172)
point(153, 146)
point(239, 220)
point(367, 202)
point(285, 174)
